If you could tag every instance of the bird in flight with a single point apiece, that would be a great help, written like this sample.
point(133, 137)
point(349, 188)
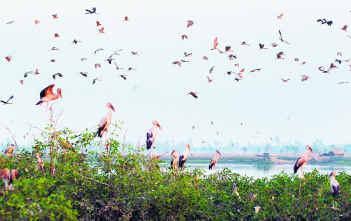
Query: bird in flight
point(194, 94)
point(84, 74)
point(304, 77)
point(90, 11)
point(280, 16)
point(8, 58)
point(280, 55)
point(189, 23)
point(8, 100)
point(47, 94)
point(58, 74)
point(215, 43)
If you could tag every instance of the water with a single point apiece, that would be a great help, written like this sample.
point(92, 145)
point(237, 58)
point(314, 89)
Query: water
point(264, 168)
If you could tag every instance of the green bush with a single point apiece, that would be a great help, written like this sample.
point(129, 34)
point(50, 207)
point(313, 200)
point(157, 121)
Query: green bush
point(125, 185)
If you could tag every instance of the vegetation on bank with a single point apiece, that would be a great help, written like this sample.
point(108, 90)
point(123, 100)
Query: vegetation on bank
point(95, 185)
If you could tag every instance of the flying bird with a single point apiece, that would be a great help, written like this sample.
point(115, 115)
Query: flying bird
point(186, 54)
point(261, 46)
point(179, 63)
point(123, 76)
point(47, 94)
point(209, 79)
point(90, 11)
point(304, 77)
point(215, 43)
point(98, 50)
point(58, 74)
point(76, 41)
point(280, 16)
point(101, 30)
point(84, 74)
point(280, 55)
point(189, 23)
point(134, 53)
point(344, 28)
point(54, 16)
point(8, 58)
point(8, 100)
point(194, 94)
point(95, 80)
point(211, 70)
point(281, 37)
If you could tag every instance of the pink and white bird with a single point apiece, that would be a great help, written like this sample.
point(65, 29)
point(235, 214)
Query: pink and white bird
point(152, 134)
point(47, 94)
point(334, 184)
point(215, 159)
point(106, 121)
point(183, 158)
point(303, 159)
point(8, 176)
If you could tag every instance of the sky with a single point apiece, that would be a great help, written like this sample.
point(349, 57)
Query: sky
point(252, 111)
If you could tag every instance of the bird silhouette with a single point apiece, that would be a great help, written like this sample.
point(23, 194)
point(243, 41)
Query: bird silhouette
point(8, 100)
point(91, 11)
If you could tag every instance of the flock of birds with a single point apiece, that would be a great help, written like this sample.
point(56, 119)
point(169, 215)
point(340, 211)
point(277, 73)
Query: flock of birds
point(48, 95)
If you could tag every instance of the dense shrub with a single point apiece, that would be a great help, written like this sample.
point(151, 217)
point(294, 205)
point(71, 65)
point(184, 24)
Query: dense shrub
point(93, 185)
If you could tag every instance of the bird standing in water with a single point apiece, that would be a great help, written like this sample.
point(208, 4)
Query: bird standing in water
point(215, 159)
point(105, 123)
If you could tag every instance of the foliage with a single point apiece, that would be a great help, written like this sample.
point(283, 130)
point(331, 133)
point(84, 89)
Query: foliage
point(125, 185)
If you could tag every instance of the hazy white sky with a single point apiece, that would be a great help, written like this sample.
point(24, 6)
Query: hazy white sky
point(296, 111)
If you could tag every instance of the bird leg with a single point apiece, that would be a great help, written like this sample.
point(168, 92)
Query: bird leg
point(301, 174)
point(107, 144)
point(5, 181)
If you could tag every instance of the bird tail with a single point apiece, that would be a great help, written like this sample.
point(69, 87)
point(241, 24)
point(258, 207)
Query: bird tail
point(99, 132)
point(39, 102)
point(211, 165)
point(297, 165)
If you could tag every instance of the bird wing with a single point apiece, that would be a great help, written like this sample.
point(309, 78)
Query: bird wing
point(47, 90)
point(9, 99)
